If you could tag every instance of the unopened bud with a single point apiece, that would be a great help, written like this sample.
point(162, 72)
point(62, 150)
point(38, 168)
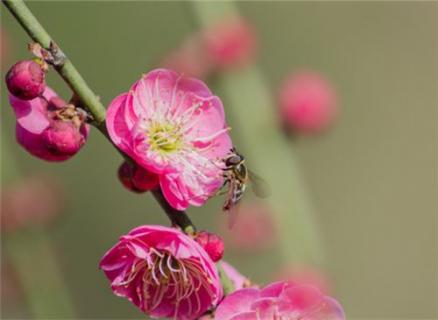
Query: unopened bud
point(212, 244)
point(137, 179)
point(26, 80)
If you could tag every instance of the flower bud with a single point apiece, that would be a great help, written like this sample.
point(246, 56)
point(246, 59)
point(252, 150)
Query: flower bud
point(137, 179)
point(212, 244)
point(63, 137)
point(308, 103)
point(26, 80)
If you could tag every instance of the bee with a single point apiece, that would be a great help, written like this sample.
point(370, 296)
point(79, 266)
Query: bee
point(236, 179)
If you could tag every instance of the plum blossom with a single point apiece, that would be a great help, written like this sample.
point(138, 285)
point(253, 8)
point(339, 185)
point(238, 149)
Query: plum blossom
point(308, 102)
point(279, 301)
point(175, 127)
point(163, 272)
point(47, 127)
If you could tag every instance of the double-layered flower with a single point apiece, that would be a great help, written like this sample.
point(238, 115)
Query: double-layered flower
point(163, 272)
point(174, 127)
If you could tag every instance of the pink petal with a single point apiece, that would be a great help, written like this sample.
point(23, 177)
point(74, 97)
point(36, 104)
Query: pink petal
point(237, 302)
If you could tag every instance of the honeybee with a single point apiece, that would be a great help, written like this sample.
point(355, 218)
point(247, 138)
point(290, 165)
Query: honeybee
point(236, 179)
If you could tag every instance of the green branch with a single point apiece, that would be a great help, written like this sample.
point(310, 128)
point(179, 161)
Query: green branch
point(88, 99)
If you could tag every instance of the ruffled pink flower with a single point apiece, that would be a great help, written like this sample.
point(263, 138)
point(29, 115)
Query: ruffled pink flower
point(163, 272)
point(173, 126)
point(308, 102)
point(230, 43)
point(279, 301)
point(40, 132)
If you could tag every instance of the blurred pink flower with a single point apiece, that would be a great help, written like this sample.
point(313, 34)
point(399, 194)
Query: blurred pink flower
point(173, 126)
point(163, 272)
point(230, 43)
point(308, 102)
point(239, 281)
point(41, 131)
point(253, 231)
point(189, 59)
point(279, 300)
point(136, 178)
point(300, 274)
point(211, 243)
point(30, 201)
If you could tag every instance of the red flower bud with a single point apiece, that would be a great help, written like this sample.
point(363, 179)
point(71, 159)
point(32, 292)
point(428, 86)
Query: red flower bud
point(137, 179)
point(26, 80)
point(212, 244)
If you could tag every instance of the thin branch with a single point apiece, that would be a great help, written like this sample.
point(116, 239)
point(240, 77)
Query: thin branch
point(88, 99)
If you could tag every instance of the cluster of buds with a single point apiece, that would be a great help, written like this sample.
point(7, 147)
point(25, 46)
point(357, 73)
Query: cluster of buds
point(47, 126)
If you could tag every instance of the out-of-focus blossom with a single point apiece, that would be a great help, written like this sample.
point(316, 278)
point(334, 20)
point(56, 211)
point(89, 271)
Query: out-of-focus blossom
point(211, 243)
point(26, 80)
point(300, 274)
point(31, 201)
point(279, 300)
point(308, 103)
point(175, 127)
point(239, 281)
point(136, 178)
point(163, 272)
point(230, 43)
point(189, 59)
point(45, 129)
point(253, 231)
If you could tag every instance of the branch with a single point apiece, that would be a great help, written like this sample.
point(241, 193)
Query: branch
point(86, 96)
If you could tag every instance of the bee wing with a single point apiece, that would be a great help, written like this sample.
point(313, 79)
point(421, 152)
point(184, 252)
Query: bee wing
point(260, 187)
point(232, 212)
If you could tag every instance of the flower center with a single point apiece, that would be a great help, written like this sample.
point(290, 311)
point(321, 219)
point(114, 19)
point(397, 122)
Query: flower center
point(165, 137)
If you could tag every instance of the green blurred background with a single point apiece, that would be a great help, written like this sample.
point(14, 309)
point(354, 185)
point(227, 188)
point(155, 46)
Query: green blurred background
point(372, 180)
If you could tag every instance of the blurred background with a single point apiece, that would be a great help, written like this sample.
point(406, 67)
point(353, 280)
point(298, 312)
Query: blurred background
point(363, 191)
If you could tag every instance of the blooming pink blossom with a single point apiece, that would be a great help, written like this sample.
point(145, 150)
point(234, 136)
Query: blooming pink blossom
point(308, 102)
point(254, 229)
point(173, 126)
point(163, 272)
point(230, 43)
point(44, 131)
point(136, 178)
point(279, 301)
point(211, 243)
point(26, 80)
point(239, 281)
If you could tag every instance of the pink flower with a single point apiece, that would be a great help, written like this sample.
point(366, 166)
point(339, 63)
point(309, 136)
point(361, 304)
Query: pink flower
point(44, 130)
point(163, 272)
point(230, 43)
point(212, 244)
point(174, 127)
point(254, 229)
point(26, 80)
point(136, 178)
point(279, 301)
point(308, 103)
point(239, 281)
